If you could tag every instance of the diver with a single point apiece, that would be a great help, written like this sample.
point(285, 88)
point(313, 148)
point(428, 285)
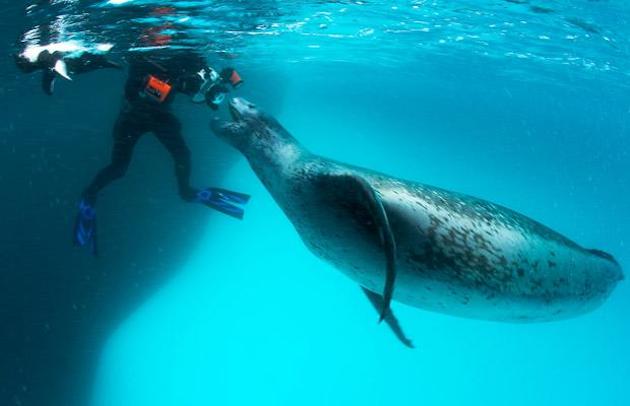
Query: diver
point(54, 63)
point(154, 79)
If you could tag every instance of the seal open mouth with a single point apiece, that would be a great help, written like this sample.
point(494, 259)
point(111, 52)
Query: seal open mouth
point(243, 114)
point(239, 108)
point(236, 115)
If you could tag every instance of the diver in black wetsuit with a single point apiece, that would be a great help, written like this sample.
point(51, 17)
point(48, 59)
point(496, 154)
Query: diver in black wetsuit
point(56, 64)
point(149, 92)
point(153, 81)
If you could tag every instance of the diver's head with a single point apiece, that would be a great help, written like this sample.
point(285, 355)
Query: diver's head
point(24, 64)
point(36, 58)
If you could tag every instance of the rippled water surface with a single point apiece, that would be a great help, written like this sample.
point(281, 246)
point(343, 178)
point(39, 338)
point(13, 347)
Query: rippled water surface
point(531, 37)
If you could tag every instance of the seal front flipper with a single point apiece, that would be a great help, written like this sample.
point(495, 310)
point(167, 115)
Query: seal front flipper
point(346, 188)
point(390, 318)
point(387, 239)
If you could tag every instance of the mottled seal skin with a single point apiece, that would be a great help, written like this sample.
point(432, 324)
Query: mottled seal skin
point(456, 254)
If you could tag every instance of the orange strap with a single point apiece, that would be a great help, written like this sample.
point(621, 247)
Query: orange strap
point(157, 88)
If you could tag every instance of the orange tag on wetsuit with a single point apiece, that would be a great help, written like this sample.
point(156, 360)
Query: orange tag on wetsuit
point(157, 89)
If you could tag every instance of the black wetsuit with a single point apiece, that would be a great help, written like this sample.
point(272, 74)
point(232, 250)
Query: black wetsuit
point(142, 113)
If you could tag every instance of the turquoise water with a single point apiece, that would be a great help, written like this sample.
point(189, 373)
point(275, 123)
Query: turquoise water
point(521, 103)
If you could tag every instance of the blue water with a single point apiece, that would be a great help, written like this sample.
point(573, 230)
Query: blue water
point(523, 104)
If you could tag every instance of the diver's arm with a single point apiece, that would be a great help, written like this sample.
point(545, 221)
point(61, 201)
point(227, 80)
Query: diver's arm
point(189, 84)
point(204, 86)
point(90, 62)
point(204, 83)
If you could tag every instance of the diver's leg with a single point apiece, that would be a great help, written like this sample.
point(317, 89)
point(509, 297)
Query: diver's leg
point(168, 132)
point(126, 133)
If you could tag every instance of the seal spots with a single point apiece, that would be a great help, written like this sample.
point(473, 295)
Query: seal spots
point(537, 284)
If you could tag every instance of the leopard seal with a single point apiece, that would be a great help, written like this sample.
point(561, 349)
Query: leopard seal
point(420, 245)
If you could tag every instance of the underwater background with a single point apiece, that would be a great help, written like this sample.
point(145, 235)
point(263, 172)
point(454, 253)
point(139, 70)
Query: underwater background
point(523, 103)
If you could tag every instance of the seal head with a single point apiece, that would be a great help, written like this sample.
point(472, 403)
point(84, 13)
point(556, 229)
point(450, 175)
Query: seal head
point(267, 145)
point(251, 128)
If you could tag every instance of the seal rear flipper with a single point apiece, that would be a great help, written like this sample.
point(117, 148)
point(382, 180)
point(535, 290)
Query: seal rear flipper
point(390, 318)
point(350, 185)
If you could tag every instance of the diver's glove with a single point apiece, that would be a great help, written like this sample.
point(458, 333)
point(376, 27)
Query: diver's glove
point(202, 82)
point(209, 88)
point(215, 96)
point(224, 201)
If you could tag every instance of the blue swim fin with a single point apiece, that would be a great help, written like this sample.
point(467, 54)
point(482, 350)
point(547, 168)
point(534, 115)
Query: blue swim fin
point(85, 227)
point(224, 201)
